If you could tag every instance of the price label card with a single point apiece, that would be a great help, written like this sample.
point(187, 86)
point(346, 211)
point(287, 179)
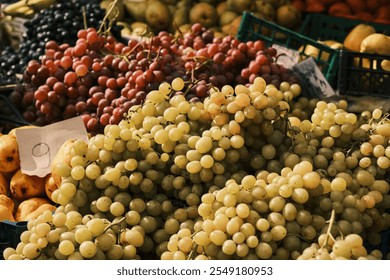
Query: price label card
point(39, 145)
point(286, 57)
point(313, 80)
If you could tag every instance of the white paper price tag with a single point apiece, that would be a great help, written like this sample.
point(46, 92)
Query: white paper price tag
point(39, 145)
point(286, 57)
point(313, 80)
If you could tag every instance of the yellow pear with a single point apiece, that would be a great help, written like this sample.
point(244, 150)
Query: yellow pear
point(204, 14)
point(221, 8)
point(288, 16)
point(136, 9)
point(239, 6)
point(157, 15)
point(227, 17)
point(181, 16)
point(265, 8)
point(355, 37)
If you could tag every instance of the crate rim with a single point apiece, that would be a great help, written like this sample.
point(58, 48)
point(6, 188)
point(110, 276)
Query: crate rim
point(313, 42)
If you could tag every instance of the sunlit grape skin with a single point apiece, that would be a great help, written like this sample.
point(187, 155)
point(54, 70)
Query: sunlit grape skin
point(234, 185)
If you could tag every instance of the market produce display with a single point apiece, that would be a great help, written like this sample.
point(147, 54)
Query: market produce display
point(200, 146)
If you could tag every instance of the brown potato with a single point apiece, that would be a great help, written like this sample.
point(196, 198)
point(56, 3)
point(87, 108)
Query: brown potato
point(355, 37)
point(28, 206)
point(23, 186)
point(6, 214)
point(9, 153)
point(4, 185)
point(37, 212)
point(7, 202)
point(376, 43)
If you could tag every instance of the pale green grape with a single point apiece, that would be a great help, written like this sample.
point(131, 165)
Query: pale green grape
point(8, 252)
point(31, 251)
point(73, 219)
point(42, 229)
point(96, 226)
point(82, 234)
point(201, 238)
point(134, 237)
point(66, 247)
point(112, 174)
point(68, 190)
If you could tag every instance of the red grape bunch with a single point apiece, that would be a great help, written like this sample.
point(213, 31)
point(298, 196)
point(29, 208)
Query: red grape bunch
point(100, 78)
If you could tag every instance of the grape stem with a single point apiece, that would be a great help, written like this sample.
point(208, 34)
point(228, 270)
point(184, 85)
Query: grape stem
point(134, 48)
point(211, 86)
point(328, 232)
point(191, 255)
point(114, 224)
point(299, 236)
point(204, 60)
point(180, 33)
point(355, 144)
point(385, 119)
point(84, 18)
point(112, 7)
point(150, 48)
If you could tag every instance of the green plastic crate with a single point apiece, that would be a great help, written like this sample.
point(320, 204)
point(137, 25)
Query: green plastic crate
point(10, 117)
point(352, 78)
point(253, 28)
point(326, 27)
point(357, 79)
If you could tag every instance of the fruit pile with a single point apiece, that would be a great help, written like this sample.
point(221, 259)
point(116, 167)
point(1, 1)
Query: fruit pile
point(366, 10)
point(58, 22)
point(100, 78)
point(234, 176)
point(22, 197)
point(221, 16)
